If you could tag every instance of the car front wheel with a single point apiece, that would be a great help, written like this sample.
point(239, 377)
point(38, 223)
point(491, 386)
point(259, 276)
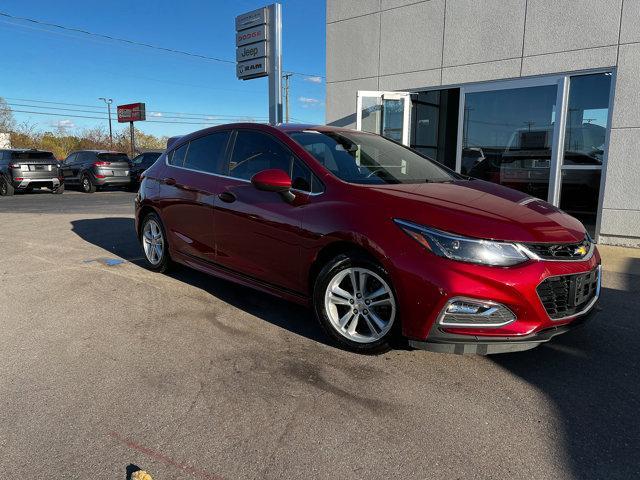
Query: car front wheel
point(356, 304)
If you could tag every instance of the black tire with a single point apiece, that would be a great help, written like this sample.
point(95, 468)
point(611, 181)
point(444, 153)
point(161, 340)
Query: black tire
point(86, 185)
point(6, 189)
point(325, 277)
point(165, 263)
point(59, 190)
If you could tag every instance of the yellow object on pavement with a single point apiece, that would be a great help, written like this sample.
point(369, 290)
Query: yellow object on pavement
point(141, 475)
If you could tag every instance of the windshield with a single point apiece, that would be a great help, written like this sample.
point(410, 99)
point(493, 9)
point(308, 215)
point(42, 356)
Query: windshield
point(370, 159)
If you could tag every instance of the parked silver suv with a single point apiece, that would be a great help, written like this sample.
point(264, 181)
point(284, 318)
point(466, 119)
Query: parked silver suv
point(93, 169)
point(22, 169)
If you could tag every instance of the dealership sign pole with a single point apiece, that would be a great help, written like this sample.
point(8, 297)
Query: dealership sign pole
point(259, 52)
point(132, 112)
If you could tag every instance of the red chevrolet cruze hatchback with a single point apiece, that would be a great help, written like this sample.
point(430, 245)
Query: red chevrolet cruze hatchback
point(380, 241)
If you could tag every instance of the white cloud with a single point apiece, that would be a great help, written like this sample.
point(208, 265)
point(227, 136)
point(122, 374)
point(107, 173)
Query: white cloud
point(155, 114)
point(313, 79)
point(308, 100)
point(64, 124)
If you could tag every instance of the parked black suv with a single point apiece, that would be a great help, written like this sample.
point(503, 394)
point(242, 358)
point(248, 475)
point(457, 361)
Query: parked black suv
point(92, 169)
point(22, 169)
point(140, 163)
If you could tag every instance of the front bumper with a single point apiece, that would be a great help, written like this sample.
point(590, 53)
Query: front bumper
point(443, 343)
point(425, 283)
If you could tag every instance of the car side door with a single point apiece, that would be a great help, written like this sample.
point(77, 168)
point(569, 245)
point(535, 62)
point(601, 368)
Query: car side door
point(66, 167)
point(188, 188)
point(258, 233)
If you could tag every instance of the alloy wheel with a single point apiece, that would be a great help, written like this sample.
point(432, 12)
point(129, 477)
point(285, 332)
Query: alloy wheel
point(153, 242)
point(360, 305)
point(86, 186)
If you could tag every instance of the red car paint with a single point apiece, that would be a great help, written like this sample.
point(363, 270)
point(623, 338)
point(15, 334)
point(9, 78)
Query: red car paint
point(262, 241)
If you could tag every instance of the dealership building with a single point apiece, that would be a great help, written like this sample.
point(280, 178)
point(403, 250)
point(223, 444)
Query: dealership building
point(538, 95)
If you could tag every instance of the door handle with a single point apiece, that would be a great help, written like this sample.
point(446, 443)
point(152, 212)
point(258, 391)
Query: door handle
point(227, 197)
point(169, 181)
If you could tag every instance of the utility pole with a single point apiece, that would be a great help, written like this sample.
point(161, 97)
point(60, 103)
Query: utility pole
point(109, 101)
point(286, 77)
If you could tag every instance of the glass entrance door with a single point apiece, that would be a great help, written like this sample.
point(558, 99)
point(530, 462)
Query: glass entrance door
point(385, 113)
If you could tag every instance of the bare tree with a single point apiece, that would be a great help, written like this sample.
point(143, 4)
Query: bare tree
point(7, 122)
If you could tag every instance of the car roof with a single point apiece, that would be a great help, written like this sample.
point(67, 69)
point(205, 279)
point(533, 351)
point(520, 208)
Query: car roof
point(100, 151)
point(284, 128)
point(23, 150)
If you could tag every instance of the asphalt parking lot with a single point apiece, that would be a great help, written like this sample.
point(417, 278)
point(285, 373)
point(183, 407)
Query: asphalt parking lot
point(104, 365)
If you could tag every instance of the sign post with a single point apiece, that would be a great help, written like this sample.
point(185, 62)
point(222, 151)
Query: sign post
point(132, 112)
point(259, 52)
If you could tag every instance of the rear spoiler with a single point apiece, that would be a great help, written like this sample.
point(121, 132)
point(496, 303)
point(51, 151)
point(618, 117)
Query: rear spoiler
point(172, 141)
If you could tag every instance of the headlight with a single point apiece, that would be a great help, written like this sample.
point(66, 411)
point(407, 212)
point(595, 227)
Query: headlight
point(464, 249)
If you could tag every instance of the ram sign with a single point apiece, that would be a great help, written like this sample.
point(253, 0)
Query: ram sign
point(132, 112)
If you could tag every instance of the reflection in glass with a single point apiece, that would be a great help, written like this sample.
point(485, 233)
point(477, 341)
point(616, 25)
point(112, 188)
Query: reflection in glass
point(579, 195)
point(507, 137)
point(371, 114)
point(434, 123)
point(587, 119)
point(393, 119)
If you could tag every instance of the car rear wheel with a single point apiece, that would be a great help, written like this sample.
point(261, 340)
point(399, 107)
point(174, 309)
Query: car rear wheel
point(154, 243)
point(356, 304)
point(87, 185)
point(6, 189)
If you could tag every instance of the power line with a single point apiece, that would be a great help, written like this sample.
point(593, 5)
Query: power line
point(204, 122)
point(184, 115)
point(134, 42)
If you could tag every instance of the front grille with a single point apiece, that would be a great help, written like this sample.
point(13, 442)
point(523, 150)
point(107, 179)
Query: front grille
point(568, 295)
point(561, 251)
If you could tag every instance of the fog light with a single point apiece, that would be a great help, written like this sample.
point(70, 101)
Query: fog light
point(467, 312)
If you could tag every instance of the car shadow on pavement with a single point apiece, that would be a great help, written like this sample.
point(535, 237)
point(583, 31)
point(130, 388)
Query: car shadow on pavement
point(591, 377)
point(117, 235)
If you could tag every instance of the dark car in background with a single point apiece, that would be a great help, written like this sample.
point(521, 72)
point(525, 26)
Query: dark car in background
point(24, 170)
point(139, 164)
point(94, 169)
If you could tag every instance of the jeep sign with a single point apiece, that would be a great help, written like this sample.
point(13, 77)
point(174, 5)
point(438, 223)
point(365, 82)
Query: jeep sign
point(251, 52)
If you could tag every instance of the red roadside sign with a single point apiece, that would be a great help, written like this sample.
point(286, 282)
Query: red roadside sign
point(132, 112)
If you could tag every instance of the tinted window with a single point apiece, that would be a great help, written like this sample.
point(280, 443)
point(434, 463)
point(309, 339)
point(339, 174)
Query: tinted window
point(206, 154)
point(370, 159)
point(86, 157)
point(302, 178)
point(70, 159)
point(150, 157)
point(31, 155)
point(176, 157)
point(113, 157)
point(138, 160)
point(256, 151)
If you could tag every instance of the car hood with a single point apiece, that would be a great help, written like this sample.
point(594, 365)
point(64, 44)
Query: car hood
point(480, 209)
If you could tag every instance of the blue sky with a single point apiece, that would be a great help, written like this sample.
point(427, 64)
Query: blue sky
point(43, 63)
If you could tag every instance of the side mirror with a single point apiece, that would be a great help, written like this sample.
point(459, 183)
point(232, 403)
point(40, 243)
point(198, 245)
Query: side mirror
point(274, 180)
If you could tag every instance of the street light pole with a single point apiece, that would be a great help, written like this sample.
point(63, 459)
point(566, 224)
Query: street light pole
point(286, 77)
point(109, 101)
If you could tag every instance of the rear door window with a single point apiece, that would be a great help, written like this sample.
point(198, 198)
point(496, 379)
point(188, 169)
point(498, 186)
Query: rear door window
point(32, 156)
point(176, 157)
point(207, 154)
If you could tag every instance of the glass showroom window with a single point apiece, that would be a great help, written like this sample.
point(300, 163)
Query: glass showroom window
point(544, 136)
point(584, 146)
point(508, 137)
